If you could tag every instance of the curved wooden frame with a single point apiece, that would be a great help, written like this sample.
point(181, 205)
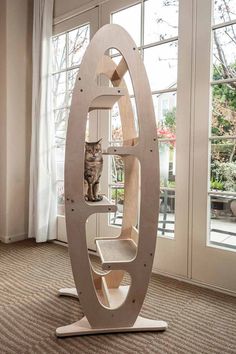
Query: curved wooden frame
point(133, 250)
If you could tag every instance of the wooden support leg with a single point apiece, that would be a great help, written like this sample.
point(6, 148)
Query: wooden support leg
point(72, 292)
point(83, 327)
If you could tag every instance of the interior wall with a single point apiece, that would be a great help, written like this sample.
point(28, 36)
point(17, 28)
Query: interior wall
point(16, 119)
point(3, 166)
point(62, 7)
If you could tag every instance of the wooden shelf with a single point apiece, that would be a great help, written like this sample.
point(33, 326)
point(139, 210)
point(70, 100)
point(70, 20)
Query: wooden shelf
point(104, 205)
point(107, 99)
point(104, 202)
point(116, 252)
point(119, 150)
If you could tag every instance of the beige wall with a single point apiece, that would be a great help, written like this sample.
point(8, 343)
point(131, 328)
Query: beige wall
point(16, 17)
point(16, 86)
point(62, 7)
point(2, 117)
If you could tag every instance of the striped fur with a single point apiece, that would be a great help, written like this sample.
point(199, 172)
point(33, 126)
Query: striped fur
point(200, 321)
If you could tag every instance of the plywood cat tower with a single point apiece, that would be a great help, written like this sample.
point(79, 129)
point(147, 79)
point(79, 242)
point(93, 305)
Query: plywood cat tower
point(109, 306)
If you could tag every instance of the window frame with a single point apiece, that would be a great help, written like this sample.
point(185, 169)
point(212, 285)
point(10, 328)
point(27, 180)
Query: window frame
point(66, 25)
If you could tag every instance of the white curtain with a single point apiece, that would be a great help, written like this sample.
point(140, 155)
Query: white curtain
point(42, 198)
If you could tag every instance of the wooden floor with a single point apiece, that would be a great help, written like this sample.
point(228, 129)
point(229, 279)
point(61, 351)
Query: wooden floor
point(200, 321)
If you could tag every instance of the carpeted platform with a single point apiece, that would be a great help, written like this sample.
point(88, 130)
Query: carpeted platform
point(200, 321)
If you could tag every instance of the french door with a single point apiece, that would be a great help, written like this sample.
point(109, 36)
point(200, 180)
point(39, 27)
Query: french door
point(189, 51)
point(166, 51)
point(191, 56)
point(71, 37)
point(214, 154)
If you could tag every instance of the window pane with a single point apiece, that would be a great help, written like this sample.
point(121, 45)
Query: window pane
point(224, 53)
point(167, 154)
point(161, 65)
point(59, 52)
point(77, 43)
point(117, 197)
point(166, 222)
point(60, 153)
point(59, 90)
point(60, 170)
point(60, 198)
point(160, 20)
point(223, 220)
point(223, 165)
point(117, 166)
point(116, 130)
point(60, 119)
point(68, 50)
point(224, 10)
point(223, 120)
point(71, 77)
point(165, 112)
point(130, 19)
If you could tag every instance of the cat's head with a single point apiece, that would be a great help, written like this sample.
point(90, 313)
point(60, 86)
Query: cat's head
point(93, 150)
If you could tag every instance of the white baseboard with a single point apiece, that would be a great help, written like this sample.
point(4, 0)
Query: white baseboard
point(13, 238)
point(195, 282)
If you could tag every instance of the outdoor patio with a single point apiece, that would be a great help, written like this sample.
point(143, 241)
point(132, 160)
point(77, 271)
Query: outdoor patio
point(223, 230)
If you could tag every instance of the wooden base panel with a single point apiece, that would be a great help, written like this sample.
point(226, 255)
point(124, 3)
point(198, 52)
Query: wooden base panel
point(82, 327)
point(72, 292)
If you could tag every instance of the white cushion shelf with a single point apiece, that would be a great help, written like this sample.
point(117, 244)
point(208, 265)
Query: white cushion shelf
point(114, 253)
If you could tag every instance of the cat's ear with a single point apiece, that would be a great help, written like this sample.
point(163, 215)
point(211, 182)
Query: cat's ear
point(99, 141)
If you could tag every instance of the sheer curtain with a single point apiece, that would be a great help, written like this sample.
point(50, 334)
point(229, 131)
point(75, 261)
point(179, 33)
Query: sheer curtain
point(42, 196)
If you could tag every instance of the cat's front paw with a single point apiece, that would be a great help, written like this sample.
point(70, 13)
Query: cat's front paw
point(98, 198)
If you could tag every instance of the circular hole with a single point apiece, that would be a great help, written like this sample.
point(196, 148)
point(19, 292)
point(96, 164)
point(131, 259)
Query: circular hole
point(67, 198)
point(155, 139)
point(118, 91)
point(72, 201)
point(80, 293)
point(150, 254)
point(150, 150)
point(134, 48)
point(79, 78)
point(81, 90)
point(115, 150)
point(145, 265)
point(72, 209)
point(133, 301)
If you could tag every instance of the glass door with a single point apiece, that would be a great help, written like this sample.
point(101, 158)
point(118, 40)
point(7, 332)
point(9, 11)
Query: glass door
point(214, 184)
point(162, 32)
point(70, 40)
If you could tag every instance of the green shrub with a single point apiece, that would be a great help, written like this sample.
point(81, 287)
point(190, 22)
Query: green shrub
point(223, 176)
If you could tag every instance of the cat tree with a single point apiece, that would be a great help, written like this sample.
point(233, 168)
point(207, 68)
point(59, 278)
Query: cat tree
point(109, 306)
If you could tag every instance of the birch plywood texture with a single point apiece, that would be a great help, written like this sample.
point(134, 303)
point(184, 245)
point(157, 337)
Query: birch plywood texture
point(109, 306)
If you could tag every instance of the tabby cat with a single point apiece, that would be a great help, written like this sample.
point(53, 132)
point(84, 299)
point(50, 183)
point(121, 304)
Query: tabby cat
point(93, 163)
